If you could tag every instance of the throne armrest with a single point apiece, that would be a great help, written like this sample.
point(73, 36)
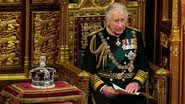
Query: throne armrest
point(75, 76)
point(160, 91)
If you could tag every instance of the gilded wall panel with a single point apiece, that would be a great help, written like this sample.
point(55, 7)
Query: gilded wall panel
point(10, 38)
point(45, 32)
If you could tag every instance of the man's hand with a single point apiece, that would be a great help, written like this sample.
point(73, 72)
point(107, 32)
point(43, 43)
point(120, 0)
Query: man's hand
point(108, 91)
point(132, 87)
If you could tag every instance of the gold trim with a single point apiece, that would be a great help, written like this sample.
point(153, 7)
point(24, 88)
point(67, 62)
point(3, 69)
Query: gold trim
point(132, 4)
point(95, 81)
point(76, 5)
point(46, 91)
point(174, 50)
point(96, 5)
point(141, 76)
point(19, 76)
point(27, 38)
point(51, 99)
point(97, 84)
point(162, 72)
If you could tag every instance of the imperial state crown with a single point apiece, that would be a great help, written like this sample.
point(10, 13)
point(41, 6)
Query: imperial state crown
point(42, 76)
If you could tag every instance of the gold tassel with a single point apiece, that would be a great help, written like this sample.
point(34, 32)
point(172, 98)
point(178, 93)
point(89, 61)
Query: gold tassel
point(95, 51)
point(100, 58)
point(92, 46)
point(104, 60)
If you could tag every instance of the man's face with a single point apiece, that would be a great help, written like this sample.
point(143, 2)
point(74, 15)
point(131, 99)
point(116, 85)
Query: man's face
point(117, 22)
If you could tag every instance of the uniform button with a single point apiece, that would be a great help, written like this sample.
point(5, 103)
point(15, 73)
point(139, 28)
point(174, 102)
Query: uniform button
point(123, 80)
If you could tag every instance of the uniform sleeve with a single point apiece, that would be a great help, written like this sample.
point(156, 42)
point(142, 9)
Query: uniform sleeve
point(89, 64)
point(141, 62)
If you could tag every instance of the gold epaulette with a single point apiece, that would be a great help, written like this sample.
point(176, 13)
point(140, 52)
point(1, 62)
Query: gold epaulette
point(133, 28)
point(94, 32)
point(95, 81)
point(141, 76)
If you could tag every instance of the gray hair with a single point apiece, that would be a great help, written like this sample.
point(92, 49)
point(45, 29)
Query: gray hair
point(118, 6)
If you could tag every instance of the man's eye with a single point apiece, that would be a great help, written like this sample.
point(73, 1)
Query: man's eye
point(116, 21)
point(122, 20)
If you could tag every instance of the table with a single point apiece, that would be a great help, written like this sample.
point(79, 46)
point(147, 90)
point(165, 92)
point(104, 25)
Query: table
point(62, 93)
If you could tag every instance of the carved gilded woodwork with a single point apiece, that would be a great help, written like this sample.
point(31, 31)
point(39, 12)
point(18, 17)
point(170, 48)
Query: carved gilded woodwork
point(161, 86)
point(174, 50)
point(89, 3)
point(10, 1)
point(45, 35)
point(164, 40)
point(64, 39)
point(102, 3)
point(86, 26)
point(175, 36)
point(133, 17)
point(44, 1)
point(175, 53)
point(77, 17)
point(136, 18)
point(10, 38)
point(75, 3)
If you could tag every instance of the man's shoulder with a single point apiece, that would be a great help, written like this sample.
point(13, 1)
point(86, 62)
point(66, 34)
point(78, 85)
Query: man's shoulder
point(96, 31)
point(132, 29)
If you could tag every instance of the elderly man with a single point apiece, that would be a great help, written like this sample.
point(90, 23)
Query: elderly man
point(116, 58)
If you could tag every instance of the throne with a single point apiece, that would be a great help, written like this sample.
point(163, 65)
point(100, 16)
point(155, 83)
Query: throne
point(83, 16)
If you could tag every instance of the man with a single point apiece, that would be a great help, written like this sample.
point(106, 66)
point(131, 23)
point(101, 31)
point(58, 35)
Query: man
point(115, 57)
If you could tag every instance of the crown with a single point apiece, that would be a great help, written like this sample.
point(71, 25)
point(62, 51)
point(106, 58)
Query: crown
point(42, 76)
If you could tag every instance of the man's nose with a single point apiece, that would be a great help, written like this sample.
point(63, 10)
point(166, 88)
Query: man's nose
point(120, 23)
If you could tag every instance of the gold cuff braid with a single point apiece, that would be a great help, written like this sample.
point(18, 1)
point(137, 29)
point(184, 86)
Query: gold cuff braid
point(95, 81)
point(141, 76)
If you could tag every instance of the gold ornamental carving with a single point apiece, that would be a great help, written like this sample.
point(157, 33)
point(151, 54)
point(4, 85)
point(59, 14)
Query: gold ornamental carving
point(102, 3)
point(44, 1)
point(10, 38)
point(87, 28)
point(164, 40)
point(174, 51)
point(45, 35)
point(10, 1)
point(75, 3)
point(175, 34)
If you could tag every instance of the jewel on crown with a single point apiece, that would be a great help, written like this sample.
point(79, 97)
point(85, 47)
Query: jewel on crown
point(42, 76)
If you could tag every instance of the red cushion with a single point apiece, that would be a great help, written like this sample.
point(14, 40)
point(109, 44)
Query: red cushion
point(24, 93)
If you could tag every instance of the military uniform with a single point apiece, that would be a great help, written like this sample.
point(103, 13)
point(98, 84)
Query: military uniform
point(119, 60)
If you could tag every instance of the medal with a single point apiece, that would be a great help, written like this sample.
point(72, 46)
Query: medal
point(118, 43)
point(130, 67)
point(131, 55)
